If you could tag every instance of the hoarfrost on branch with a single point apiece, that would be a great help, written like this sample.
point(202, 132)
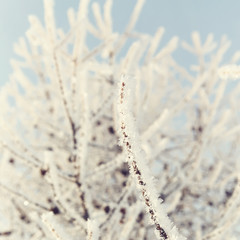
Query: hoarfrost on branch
point(99, 144)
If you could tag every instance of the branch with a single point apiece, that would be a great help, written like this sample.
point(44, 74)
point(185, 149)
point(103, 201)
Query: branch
point(164, 228)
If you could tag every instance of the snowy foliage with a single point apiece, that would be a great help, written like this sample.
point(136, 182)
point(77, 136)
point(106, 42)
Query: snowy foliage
point(97, 144)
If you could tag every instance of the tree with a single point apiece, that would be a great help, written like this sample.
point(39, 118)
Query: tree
point(94, 144)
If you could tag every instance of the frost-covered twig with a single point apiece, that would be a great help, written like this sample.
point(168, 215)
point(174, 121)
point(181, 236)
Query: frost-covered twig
point(135, 156)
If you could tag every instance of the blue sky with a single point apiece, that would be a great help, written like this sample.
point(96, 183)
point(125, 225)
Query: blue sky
point(177, 17)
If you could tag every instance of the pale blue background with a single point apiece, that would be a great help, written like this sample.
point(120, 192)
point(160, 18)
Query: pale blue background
point(179, 17)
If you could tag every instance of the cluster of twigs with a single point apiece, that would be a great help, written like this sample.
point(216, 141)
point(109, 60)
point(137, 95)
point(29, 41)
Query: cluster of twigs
point(96, 142)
